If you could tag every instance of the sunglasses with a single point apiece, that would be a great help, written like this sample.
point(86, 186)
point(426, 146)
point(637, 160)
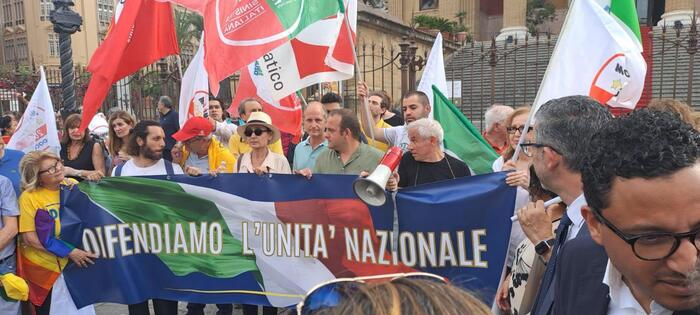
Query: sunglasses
point(257, 131)
point(331, 293)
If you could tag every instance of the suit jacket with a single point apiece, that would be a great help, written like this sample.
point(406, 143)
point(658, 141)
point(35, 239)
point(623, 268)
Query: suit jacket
point(580, 289)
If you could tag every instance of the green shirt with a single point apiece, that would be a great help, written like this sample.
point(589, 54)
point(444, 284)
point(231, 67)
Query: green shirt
point(365, 158)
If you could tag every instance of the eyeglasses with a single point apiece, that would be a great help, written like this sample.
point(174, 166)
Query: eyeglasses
point(331, 293)
point(527, 148)
point(512, 130)
point(652, 246)
point(53, 169)
point(257, 131)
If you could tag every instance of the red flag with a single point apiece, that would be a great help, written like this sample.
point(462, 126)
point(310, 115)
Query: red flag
point(143, 33)
point(285, 113)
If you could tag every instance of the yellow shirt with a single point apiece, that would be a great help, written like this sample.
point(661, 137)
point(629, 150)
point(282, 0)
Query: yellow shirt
point(378, 144)
point(30, 202)
point(238, 147)
point(217, 155)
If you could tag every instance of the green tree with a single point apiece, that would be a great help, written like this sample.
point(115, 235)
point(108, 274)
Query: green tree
point(538, 12)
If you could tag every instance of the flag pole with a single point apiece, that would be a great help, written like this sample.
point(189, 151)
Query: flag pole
point(179, 66)
point(365, 106)
point(535, 103)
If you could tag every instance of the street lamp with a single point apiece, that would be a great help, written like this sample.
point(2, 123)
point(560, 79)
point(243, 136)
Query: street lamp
point(65, 23)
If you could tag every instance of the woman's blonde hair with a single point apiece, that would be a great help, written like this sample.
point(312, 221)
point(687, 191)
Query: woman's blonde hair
point(508, 153)
point(409, 297)
point(115, 143)
point(29, 168)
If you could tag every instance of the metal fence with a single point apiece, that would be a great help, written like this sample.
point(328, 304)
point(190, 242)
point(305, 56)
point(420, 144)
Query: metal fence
point(479, 74)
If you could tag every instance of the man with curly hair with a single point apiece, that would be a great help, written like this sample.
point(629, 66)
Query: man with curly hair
point(641, 178)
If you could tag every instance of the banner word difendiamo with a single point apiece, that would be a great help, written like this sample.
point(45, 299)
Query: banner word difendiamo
point(244, 238)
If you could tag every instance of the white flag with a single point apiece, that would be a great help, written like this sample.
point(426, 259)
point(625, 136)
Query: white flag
point(595, 56)
point(194, 90)
point(434, 72)
point(36, 130)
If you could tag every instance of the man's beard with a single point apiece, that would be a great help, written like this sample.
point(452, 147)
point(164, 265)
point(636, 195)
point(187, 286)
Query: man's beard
point(150, 154)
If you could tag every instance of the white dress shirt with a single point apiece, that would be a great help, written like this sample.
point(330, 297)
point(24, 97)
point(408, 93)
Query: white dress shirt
point(574, 213)
point(622, 302)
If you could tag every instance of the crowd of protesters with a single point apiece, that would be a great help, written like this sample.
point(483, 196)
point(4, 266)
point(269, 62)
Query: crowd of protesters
point(623, 240)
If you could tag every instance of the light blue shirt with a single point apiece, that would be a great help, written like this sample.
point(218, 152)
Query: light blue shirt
point(8, 208)
point(305, 156)
point(195, 161)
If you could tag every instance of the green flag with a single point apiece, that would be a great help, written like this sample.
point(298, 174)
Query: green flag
point(461, 137)
point(626, 12)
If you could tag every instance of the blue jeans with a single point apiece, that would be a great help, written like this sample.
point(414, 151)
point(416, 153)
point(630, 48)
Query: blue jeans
point(8, 265)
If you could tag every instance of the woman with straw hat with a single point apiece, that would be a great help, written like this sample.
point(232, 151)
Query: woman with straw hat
point(258, 132)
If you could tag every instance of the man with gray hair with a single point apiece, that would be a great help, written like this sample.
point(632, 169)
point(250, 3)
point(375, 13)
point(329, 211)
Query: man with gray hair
point(427, 162)
point(563, 130)
point(170, 122)
point(495, 133)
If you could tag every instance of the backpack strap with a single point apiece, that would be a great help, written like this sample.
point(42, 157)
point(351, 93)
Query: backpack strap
point(238, 163)
point(118, 170)
point(168, 168)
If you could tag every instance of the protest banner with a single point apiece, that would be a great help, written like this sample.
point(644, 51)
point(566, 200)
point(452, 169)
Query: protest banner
point(266, 240)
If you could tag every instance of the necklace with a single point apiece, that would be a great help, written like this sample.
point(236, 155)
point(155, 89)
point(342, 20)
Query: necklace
point(415, 179)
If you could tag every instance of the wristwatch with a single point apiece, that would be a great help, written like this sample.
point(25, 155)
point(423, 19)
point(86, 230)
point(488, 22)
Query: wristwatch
point(544, 246)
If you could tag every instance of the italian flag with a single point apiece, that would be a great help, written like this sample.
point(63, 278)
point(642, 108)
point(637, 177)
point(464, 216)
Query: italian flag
point(599, 54)
point(239, 32)
point(281, 274)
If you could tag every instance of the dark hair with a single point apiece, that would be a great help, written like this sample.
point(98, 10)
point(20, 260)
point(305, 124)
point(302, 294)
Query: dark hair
point(73, 121)
point(422, 97)
point(383, 96)
point(348, 120)
point(140, 131)
point(644, 144)
point(214, 98)
point(166, 101)
point(5, 123)
point(567, 125)
point(677, 107)
point(331, 97)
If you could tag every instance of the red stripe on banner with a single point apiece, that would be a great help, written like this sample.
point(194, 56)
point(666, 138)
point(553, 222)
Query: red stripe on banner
point(39, 279)
point(341, 213)
point(305, 52)
point(648, 46)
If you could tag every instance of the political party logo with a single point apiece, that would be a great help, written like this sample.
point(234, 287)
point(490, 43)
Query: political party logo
point(35, 137)
point(247, 22)
point(619, 82)
point(197, 106)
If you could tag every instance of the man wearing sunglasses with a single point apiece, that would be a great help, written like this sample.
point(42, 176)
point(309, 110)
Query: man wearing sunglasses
point(238, 146)
point(642, 184)
point(563, 129)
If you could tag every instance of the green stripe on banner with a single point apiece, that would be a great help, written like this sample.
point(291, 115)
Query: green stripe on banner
point(305, 12)
point(143, 200)
point(626, 11)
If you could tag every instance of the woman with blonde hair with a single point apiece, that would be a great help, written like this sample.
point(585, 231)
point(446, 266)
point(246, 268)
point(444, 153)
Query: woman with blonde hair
point(42, 256)
point(120, 125)
point(81, 156)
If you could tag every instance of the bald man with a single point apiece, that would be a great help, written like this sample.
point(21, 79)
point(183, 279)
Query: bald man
point(306, 151)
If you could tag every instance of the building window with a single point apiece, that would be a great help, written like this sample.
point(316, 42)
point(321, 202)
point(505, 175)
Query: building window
point(428, 4)
point(9, 51)
point(53, 45)
point(105, 9)
point(22, 50)
point(46, 8)
point(7, 13)
point(19, 13)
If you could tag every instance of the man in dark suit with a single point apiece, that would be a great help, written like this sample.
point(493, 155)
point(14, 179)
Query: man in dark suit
point(170, 122)
point(563, 129)
point(642, 183)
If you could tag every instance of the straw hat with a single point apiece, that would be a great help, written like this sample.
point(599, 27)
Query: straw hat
point(260, 119)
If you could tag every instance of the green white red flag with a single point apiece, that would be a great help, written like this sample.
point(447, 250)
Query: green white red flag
point(239, 32)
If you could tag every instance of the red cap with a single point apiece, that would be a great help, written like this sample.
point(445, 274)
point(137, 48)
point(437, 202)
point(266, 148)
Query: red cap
point(194, 127)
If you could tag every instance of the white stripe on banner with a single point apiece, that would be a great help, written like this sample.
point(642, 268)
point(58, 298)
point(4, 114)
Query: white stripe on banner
point(292, 275)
